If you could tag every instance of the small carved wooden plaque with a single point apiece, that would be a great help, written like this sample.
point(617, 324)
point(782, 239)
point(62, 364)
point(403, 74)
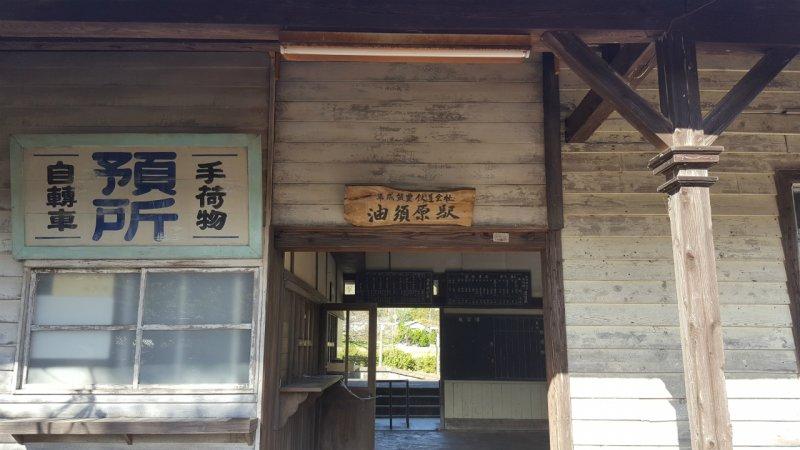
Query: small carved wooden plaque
point(377, 206)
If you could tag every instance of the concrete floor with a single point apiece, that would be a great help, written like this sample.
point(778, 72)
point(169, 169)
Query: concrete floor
point(460, 440)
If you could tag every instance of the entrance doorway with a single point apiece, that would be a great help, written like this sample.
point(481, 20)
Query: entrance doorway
point(408, 370)
point(465, 357)
point(483, 309)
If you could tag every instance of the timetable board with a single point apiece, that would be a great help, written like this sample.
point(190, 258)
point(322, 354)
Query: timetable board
point(487, 288)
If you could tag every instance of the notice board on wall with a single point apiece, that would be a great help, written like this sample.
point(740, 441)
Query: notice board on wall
point(494, 289)
point(474, 289)
point(493, 347)
point(136, 196)
point(398, 288)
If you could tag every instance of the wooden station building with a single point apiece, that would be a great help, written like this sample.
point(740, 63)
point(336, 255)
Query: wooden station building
point(175, 184)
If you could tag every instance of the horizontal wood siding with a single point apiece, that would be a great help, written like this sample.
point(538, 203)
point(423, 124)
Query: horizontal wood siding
point(521, 400)
point(622, 325)
point(409, 126)
point(99, 92)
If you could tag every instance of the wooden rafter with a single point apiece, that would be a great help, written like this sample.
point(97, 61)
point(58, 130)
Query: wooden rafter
point(737, 99)
point(609, 84)
point(633, 62)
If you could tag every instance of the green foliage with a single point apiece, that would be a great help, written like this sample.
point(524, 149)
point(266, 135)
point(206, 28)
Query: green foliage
point(412, 336)
point(358, 355)
point(426, 363)
point(399, 359)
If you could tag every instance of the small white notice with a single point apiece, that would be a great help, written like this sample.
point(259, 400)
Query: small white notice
point(500, 238)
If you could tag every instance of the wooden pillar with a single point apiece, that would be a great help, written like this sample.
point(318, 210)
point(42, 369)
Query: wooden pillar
point(685, 165)
point(558, 396)
point(272, 290)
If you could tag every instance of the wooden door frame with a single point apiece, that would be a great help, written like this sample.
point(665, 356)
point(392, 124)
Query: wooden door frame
point(474, 239)
point(372, 344)
point(418, 239)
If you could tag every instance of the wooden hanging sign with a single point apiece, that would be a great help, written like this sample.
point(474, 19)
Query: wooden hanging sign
point(377, 206)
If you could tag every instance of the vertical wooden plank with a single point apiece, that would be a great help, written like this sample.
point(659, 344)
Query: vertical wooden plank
point(558, 396)
point(272, 286)
point(552, 142)
point(272, 347)
point(789, 226)
point(679, 89)
point(700, 324)
point(372, 350)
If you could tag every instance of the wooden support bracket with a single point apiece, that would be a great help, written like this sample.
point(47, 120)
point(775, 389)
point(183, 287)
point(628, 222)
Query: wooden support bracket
point(633, 62)
point(609, 84)
point(754, 81)
point(685, 166)
point(295, 394)
point(290, 403)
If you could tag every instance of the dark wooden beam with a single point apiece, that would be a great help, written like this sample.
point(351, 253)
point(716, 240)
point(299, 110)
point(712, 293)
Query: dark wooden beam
point(552, 143)
point(768, 23)
point(558, 396)
point(138, 30)
point(633, 62)
point(754, 81)
point(127, 45)
point(678, 86)
point(351, 239)
point(763, 23)
point(413, 16)
point(604, 80)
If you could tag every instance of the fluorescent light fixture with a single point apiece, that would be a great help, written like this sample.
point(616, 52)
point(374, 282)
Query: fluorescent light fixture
point(310, 52)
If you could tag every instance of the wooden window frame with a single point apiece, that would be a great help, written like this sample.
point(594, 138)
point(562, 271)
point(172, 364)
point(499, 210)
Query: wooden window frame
point(787, 182)
point(29, 304)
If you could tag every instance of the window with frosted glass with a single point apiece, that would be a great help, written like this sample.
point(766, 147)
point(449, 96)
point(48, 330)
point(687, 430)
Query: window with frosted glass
point(141, 328)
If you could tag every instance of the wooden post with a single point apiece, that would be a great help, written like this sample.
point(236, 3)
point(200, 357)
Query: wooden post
point(272, 288)
point(685, 165)
point(689, 203)
point(558, 397)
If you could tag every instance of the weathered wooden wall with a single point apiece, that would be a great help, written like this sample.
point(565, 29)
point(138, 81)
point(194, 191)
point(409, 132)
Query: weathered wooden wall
point(413, 126)
point(299, 326)
point(622, 325)
point(105, 93)
point(317, 269)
